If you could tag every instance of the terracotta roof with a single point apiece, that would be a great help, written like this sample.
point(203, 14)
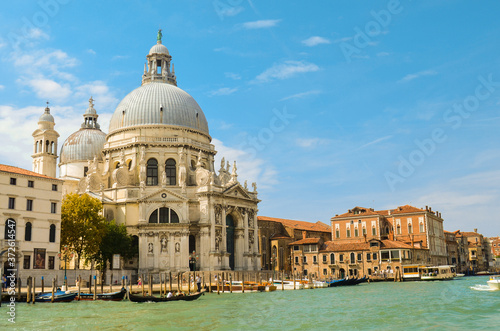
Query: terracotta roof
point(20, 171)
point(306, 241)
point(363, 212)
point(332, 246)
point(471, 234)
point(299, 225)
point(407, 209)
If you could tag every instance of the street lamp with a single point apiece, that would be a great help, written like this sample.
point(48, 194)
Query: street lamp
point(65, 254)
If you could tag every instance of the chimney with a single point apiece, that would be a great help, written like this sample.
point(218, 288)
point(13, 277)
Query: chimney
point(412, 242)
point(364, 235)
point(304, 234)
point(427, 208)
point(475, 230)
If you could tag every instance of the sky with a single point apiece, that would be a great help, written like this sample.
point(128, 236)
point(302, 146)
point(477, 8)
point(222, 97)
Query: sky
point(327, 105)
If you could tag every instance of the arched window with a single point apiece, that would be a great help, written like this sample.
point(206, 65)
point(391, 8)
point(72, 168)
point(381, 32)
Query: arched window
point(10, 229)
point(353, 258)
point(152, 173)
point(332, 258)
point(164, 215)
point(170, 171)
point(27, 232)
point(46, 146)
point(52, 234)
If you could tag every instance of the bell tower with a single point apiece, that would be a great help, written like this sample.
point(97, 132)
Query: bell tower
point(157, 67)
point(45, 145)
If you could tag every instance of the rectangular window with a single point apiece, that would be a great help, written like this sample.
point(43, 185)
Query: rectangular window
point(341, 258)
point(54, 187)
point(364, 231)
point(384, 255)
point(374, 256)
point(13, 181)
point(296, 260)
point(12, 203)
point(325, 258)
point(315, 259)
point(360, 257)
point(53, 207)
point(398, 229)
point(325, 272)
point(305, 260)
point(356, 232)
point(51, 262)
point(29, 205)
point(85, 170)
point(374, 231)
point(31, 183)
point(348, 233)
point(368, 257)
point(422, 227)
point(337, 233)
point(27, 262)
point(410, 230)
point(295, 247)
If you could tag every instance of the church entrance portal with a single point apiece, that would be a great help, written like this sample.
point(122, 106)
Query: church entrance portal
point(230, 240)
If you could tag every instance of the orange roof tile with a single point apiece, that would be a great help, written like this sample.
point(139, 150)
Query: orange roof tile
point(299, 225)
point(332, 246)
point(280, 236)
point(306, 241)
point(406, 209)
point(471, 234)
point(20, 171)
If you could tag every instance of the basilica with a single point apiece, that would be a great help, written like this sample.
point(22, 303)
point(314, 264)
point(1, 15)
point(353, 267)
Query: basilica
point(154, 172)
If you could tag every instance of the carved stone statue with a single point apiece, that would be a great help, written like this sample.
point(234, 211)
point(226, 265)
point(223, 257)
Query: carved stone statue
point(177, 247)
point(163, 243)
point(163, 179)
point(246, 185)
point(150, 248)
point(254, 185)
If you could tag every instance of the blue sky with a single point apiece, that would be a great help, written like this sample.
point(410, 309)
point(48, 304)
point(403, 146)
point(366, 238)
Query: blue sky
point(327, 105)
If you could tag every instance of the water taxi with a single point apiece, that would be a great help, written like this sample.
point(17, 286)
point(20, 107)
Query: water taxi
point(494, 282)
point(420, 272)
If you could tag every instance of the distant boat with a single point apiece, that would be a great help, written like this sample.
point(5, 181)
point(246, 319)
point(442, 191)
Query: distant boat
point(59, 296)
point(150, 298)
point(494, 282)
point(420, 272)
point(288, 285)
point(113, 296)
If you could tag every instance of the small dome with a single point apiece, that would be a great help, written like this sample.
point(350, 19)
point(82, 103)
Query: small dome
point(46, 117)
point(158, 49)
point(83, 145)
point(158, 103)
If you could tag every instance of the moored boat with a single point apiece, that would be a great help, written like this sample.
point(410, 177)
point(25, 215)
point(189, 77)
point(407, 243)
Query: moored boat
point(288, 285)
point(150, 298)
point(59, 296)
point(113, 296)
point(443, 272)
point(494, 282)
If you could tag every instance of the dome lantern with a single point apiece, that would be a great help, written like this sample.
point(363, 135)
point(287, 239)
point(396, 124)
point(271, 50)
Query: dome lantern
point(157, 66)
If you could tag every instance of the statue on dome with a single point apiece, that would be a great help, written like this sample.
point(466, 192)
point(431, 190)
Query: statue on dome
point(158, 38)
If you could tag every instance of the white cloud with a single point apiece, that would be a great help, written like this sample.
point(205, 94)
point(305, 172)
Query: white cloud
point(419, 74)
point(43, 62)
point(249, 168)
point(229, 11)
point(286, 70)
point(49, 89)
point(105, 99)
point(2, 87)
point(315, 40)
point(383, 54)
point(342, 40)
point(376, 141)
point(262, 24)
point(311, 142)
point(223, 91)
point(91, 51)
point(301, 95)
point(37, 33)
point(232, 75)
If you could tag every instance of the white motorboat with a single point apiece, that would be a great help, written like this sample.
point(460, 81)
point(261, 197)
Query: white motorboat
point(442, 272)
point(494, 282)
point(288, 285)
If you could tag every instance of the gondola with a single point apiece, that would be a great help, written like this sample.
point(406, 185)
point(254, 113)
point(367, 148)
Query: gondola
point(59, 296)
point(338, 282)
point(149, 298)
point(114, 296)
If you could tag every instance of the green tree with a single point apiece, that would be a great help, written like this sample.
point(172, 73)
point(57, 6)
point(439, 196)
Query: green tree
point(82, 225)
point(115, 241)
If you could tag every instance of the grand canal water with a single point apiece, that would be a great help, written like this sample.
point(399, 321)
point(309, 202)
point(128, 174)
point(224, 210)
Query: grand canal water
point(416, 305)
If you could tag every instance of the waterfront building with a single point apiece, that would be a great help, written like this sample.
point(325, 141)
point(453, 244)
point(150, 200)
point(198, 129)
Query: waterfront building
point(30, 205)
point(275, 235)
point(452, 250)
point(419, 228)
point(479, 254)
point(495, 246)
point(154, 172)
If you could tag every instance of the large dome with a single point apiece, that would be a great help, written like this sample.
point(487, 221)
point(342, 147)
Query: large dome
point(83, 145)
point(158, 103)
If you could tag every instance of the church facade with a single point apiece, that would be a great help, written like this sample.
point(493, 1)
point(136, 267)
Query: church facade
point(154, 172)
